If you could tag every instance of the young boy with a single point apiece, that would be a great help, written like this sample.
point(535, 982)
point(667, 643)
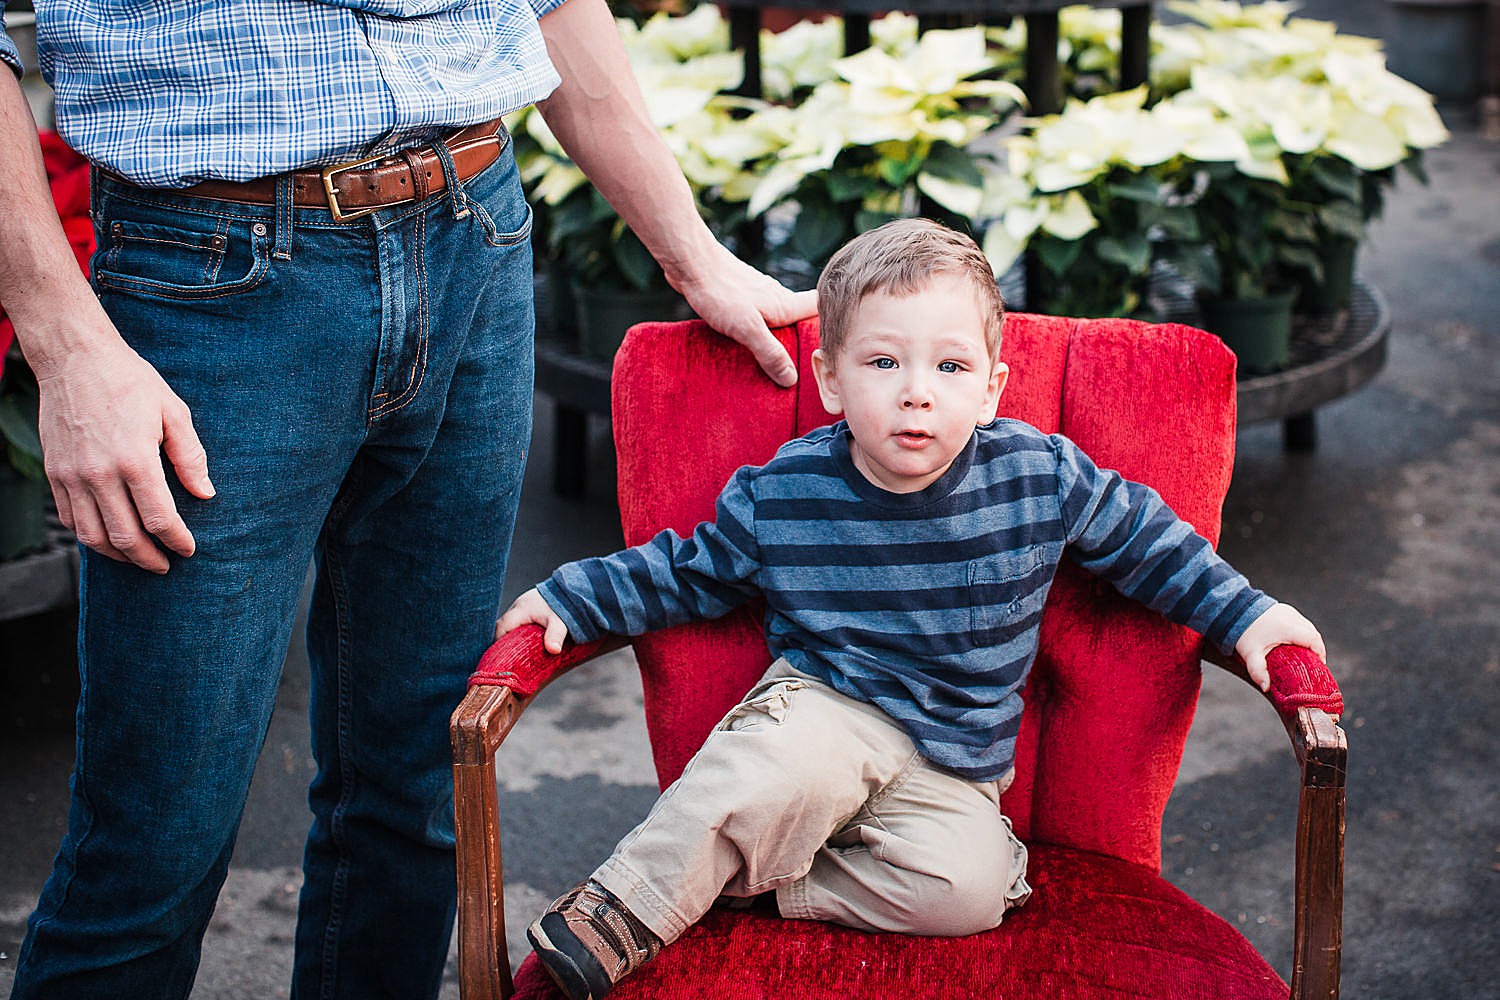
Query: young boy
point(904, 555)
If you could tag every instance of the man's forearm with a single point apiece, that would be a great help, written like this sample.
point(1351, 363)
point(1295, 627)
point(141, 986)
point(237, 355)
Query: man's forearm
point(601, 120)
point(53, 308)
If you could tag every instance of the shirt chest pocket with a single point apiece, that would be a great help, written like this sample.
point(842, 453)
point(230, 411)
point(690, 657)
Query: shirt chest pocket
point(1006, 593)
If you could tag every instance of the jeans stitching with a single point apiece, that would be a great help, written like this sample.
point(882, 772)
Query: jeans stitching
point(260, 268)
point(419, 364)
point(338, 884)
point(80, 789)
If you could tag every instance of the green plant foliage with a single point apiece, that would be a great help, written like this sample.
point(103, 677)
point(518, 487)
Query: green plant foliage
point(18, 418)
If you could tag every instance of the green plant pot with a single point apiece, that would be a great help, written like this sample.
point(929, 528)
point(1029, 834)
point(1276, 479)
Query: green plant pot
point(560, 317)
point(1337, 286)
point(23, 514)
point(604, 314)
point(1258, 330)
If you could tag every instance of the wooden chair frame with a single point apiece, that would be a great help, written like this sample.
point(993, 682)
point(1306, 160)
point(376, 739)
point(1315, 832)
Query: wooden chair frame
point(488, 713)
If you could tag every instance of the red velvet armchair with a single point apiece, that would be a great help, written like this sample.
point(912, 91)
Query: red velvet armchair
point(1109, 702)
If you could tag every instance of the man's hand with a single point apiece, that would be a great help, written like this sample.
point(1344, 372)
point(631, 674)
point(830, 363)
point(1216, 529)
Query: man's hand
point(106, 418)
point(106, 415)
point(1281, 625)
point(743, 304)
point(530, 609)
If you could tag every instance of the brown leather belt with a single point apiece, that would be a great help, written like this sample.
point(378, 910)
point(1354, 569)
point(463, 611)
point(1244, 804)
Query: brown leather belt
point(359, 187)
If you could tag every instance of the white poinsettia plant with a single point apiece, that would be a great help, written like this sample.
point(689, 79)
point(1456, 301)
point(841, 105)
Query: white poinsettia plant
point(1272, 135)
point(840, 144)
point(888, 129)
point(1324, 122)
point(1084, 191)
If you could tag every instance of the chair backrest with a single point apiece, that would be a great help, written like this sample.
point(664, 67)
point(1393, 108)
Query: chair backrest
point(1114, 686)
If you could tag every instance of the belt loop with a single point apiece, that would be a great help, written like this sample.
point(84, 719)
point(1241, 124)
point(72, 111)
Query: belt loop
point(419, 187)
point(450, 172)
point(282, 250)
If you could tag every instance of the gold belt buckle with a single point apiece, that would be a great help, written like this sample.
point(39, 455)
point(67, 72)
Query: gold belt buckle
point(339, 215)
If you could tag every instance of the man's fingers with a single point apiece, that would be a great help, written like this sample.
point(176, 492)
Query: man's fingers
point(125, 532)
point(183, 449)
point(791, 307)
point(158, 514)
point(777, 364)
point(769, 354)
point(88, 525)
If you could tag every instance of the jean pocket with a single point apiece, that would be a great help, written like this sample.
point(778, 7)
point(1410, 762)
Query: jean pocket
point(182, 255)
point(505, 213)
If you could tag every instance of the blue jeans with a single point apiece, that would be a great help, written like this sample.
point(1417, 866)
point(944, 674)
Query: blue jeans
point(363, 391)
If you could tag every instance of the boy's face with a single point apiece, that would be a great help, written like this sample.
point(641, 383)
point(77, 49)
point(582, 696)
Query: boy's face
point(913, 379)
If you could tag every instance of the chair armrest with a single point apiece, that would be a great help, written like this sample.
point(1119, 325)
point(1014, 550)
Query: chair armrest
point(1299, 679)
point(1307, 699)
point(508, 677)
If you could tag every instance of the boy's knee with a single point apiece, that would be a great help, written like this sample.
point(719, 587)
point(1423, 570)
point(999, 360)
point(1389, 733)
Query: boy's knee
point(955, 907)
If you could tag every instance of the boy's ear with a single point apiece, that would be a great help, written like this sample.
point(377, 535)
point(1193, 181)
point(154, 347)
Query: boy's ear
point(999, 376)
point(828, 389)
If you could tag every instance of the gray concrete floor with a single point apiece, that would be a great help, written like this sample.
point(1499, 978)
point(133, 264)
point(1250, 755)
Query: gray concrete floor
point(1387, 536)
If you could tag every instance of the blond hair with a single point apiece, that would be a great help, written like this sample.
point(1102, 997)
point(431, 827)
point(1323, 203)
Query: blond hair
point(900, 258)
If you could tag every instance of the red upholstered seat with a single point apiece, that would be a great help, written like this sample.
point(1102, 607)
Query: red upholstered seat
point(1096, 927)
point(1109, 703)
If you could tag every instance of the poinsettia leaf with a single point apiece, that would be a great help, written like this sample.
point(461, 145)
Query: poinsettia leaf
point(1342, 218)
point(1058, 255)
point(844, 186)
point(1178, 222)
point(818, 230)
point(1136, 188)
point(866, 219)
point(953, 164)
point(1294, 226)
point(898, 172)
point(1132, 252)
point(1304, 259)
point(1416, 167)
point(635, 262)
point(1338, 177)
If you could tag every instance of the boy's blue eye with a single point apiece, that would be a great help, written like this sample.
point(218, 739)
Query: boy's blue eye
point(884, 362)
point(948, 367)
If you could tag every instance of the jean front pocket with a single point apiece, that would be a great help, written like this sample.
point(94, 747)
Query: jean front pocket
point(176, 254)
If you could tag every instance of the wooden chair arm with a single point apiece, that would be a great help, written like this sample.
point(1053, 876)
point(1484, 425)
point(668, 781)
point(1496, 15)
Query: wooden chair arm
point(1322, 753)
point(509, 676)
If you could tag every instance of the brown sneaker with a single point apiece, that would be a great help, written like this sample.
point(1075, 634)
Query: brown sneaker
point(588, 941)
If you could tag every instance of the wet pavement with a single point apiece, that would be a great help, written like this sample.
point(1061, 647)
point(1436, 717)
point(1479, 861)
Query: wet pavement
point(1387, 536)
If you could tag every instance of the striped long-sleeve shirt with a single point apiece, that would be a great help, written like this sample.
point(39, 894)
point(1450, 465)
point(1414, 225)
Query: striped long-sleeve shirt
point(926, 605)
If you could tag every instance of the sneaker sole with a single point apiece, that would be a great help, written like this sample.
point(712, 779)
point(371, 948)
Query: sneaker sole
point(576, 972)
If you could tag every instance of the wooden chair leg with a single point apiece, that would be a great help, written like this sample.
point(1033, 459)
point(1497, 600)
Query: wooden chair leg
point(484, 967)
point(479, 725)
point(1317, 935)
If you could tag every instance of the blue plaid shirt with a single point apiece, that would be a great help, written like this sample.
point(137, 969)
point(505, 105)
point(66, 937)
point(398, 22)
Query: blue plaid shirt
point(171, 92)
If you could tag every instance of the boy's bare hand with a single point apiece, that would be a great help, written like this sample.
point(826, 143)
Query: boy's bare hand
point(530, 609)
point(1281, 625)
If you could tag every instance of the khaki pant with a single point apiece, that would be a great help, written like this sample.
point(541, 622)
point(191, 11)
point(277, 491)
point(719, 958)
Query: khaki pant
point(823, 799)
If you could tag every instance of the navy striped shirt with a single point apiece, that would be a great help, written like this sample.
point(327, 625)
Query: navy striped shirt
point(926, 605)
